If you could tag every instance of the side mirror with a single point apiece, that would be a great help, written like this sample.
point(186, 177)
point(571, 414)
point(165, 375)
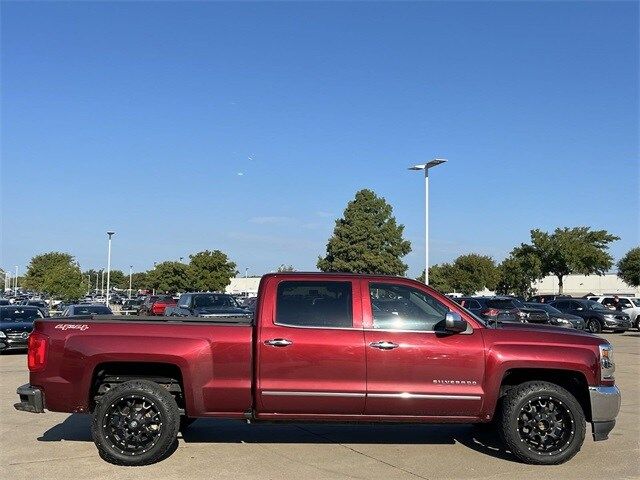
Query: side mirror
point(453, 322)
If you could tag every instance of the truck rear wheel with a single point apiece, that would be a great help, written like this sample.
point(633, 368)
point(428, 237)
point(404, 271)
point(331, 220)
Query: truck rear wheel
point(542, 423)
point(135, 423)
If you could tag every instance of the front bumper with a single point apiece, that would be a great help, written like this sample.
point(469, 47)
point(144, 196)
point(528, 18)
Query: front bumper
point(7, 344)
point(617, 324)
point(605, 405)
point(31, 399)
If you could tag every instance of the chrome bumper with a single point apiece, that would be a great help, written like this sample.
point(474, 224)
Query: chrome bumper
point(605, 405)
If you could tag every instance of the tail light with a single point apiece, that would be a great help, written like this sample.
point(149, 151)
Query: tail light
point(491, 312)
point(37, 353)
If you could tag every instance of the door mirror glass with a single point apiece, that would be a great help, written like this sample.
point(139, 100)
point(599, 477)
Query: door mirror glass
point(453, 322)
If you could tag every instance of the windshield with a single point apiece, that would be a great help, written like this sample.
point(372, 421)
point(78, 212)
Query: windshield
point(214, 301)
point(591, 305)
point(501, 304)
point(544, 306)
point(91, 310)
point(20, 314)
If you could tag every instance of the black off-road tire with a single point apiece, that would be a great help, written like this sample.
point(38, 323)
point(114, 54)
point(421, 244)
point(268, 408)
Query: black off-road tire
point(593, 325)
point(517, 399)
point(168, 418)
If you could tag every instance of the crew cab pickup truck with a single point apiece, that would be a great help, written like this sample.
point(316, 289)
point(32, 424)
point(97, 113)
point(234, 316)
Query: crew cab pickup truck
point(324, 347)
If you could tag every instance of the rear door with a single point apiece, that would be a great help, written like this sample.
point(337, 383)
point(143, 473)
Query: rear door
point(413, 369)
point(310, 347)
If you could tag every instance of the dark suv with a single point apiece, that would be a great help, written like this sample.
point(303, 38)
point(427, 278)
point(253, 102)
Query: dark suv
point(503, 310)
point(597, 317)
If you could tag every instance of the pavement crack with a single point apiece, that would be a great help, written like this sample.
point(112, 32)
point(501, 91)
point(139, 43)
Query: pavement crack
point(396, 467)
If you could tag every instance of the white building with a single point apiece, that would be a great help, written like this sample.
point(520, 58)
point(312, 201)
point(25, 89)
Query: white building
point(580, 285)
point(243, 286)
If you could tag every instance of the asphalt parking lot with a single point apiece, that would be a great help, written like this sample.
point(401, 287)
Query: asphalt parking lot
point(57, 445)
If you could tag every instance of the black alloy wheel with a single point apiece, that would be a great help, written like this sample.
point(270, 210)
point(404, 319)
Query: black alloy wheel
point(133, 424)
point(593, 325)
point(545, 425)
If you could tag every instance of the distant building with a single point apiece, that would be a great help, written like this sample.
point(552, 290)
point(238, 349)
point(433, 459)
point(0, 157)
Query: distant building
point(580, 285)
point(243, 286)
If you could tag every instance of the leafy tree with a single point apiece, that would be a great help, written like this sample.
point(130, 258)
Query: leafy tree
point(367, 239)
point(56, 274)
point(518, 272)
point(467, 274)
point(286, 268)
point(629, 267)
point(210, 271)
point(441, 277)
point(169, 277)
point(571, 250)
point(474, 272)
point(140, 281)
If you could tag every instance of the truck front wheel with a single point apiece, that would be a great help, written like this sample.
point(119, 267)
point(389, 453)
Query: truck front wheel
point(135, 423)
point(542, 423)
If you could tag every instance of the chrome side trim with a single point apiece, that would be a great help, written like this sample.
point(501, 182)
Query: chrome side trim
point(423, 396)
point(312, 394)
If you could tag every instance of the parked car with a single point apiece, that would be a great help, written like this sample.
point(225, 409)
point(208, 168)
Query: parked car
point(629, 305)
point(324, 347)
point(597, 317)
point(41, 304)
point(132, 305)
point(82, 309)
point(16, 322)
point(503, 309)
point(547, 298)
point(156, 305)
point(558, 318)
point(206, 305)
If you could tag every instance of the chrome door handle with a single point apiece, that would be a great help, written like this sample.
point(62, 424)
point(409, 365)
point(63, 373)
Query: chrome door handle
point(278, 342)
point(384, 345)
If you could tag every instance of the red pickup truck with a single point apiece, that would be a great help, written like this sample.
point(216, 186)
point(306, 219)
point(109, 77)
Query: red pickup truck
point(324, 347)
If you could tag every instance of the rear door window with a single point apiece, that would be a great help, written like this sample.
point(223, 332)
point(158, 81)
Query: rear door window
point(314, 304)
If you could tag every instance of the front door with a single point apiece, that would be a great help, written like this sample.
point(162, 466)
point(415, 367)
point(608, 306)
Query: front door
point(413, 367)
point(311, 348)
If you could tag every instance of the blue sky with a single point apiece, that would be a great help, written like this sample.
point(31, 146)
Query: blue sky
point(247, 127)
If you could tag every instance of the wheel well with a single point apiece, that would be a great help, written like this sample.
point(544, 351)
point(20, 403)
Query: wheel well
point(108, 375)
point(574, 382)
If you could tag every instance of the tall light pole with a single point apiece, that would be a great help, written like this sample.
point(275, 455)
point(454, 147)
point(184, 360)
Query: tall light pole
point(130, 276)
point(15, 290)
point(109, 234)
point(102, 272)
point(426, 167)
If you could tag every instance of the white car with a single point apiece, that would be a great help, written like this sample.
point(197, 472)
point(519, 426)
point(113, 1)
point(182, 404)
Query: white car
point(630, 305)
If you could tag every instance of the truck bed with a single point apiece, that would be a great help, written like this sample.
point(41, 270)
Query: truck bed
point(212, 319)
point(213, 355)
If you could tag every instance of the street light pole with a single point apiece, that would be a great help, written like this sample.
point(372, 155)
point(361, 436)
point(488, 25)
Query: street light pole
point(102, 272)
point(426, 167)
point(130, 276)
point(15, 290)
point(109, 234)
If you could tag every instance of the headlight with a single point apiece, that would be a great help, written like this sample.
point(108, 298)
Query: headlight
point(609, 315)
point(562, 321)
point(2, 335)
point(607, 365)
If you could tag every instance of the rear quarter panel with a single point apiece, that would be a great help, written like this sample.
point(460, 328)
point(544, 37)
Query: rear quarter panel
point(214, 360)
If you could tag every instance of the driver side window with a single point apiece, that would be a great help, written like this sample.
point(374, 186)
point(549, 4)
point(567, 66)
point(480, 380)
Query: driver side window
point(399, 307)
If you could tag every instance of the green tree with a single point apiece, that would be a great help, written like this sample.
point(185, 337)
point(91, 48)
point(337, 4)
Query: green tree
point(474, 272)
point(140, 281)
point(518, 272)
point(467, 274)
point(210, 271)
point(571, 250)
point(169, 277)
point(56, 274)
point(286, 268)
point(441, 277)
point(629, 267)
point(366, 239)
